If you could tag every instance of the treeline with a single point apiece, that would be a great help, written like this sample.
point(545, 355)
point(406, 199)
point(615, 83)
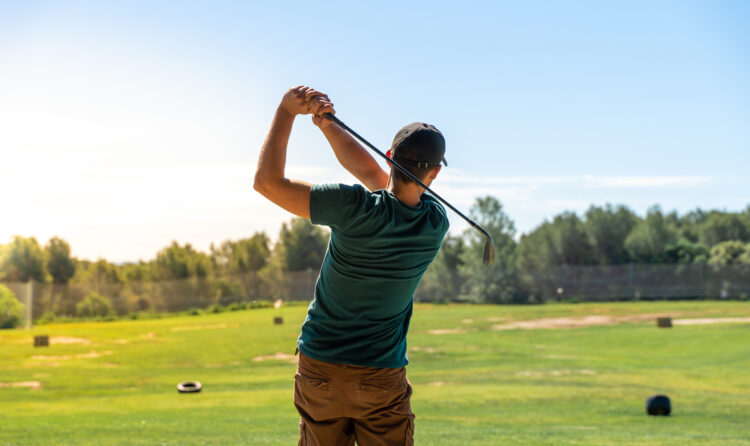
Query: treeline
point(179, 278)
point(602, 236)
point(237, 272)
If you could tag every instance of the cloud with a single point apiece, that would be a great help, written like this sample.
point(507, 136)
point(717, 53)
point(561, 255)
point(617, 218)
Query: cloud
point(588, 181)
point(646, 181)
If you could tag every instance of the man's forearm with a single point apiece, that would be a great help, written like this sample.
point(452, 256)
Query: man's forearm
point(352, 156)
point(272, 160)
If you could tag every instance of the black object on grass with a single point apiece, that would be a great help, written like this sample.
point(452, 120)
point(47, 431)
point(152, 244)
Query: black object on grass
point(189, 387)
point(489, 245)
point(658, 405)
point(664, 322)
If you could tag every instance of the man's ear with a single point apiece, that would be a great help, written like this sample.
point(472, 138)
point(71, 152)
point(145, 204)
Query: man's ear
point(388, 154)
point(435, 170)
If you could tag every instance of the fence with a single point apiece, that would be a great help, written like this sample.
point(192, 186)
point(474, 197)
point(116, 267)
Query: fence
point(634, 281)
point(585, 283)
point(165, 295)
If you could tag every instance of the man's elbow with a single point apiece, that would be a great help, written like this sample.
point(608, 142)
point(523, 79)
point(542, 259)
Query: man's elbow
point(266, 185)
point(260, 184)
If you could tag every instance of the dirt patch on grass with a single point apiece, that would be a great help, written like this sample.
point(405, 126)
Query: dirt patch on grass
point(436, 384)
point(713, 320)
point(151, 335)
point(68, 340)
point(33, 385)
point(423, 349)
point(203, 327)
point(575, 321)
point(48, 364)
point(541, 373)
point(89, 355)
point(277, 356)
point(445, 331)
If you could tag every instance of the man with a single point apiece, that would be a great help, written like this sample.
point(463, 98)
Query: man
point(351, 378)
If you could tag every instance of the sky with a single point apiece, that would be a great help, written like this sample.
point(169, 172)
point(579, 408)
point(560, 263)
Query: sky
point(126, 125)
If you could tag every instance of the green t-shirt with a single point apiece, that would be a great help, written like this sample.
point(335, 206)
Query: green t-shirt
point(378, 250)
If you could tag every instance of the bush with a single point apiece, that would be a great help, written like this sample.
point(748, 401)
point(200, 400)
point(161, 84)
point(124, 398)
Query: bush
point(11, 310)
point(216, 309)
point(227, 292)
point(94, 305)
point(47, 318)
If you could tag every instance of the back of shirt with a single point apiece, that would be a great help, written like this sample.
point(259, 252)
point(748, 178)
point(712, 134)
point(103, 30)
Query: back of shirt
point(378, 251)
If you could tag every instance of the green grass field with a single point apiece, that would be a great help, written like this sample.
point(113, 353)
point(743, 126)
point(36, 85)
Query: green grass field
point(114, 383)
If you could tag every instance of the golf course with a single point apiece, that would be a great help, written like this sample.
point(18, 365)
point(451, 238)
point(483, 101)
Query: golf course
point(556, 374)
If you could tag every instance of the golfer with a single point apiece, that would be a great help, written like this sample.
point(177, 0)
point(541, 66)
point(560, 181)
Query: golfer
point(351, 380)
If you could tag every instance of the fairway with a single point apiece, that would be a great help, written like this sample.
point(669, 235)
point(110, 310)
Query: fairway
point(479, 377)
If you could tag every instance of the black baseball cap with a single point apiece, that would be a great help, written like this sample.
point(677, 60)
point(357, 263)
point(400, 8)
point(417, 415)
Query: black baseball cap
point(419, 145)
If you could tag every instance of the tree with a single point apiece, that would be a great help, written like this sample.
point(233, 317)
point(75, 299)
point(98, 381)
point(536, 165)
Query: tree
point(495, 283)
point(564, 241)
point(181, 262)
point(688, 225)
point(443, 281)
point(722, 226)
point(244, 258)
point(730, 252)
point(139, 272)
point(24, 260)
point(2, 261)
point(302, 245)
point(11, 310)
point(248, 257)
point(94, 305)
point(607, 228)
point(650, 237)
point(59, 265)
point(684, 252)
point(572, 242)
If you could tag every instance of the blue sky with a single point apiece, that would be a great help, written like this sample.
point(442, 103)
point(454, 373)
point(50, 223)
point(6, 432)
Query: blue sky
point(125, 126)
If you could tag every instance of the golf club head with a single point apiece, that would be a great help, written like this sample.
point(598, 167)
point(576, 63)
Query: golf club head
point(489, 251)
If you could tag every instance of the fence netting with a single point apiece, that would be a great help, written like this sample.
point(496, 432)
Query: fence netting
point(582, 283)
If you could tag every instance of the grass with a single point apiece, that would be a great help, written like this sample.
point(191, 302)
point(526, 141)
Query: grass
point(472, 386)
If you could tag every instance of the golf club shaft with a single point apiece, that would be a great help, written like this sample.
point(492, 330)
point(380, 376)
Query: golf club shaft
point(406, 172)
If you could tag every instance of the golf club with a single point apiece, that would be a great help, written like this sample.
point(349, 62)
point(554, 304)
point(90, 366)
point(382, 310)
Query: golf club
point(489, 245)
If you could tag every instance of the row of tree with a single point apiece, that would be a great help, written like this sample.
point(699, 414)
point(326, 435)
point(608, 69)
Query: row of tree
point(608, 235)
point(181, 277)
point(178, 278)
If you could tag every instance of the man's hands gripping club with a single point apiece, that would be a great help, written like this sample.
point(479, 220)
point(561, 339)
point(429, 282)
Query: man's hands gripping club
point(294, 195)
point(350, 153)
point(301, 100)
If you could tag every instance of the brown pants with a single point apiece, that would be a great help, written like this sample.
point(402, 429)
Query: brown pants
point(339, 404)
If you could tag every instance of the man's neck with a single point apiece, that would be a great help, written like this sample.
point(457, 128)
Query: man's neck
point(409, 194)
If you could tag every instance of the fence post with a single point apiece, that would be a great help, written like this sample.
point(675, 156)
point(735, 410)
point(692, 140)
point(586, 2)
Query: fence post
point(701, 279)
point(29, 290)
point(310, 285)
point(631, 278)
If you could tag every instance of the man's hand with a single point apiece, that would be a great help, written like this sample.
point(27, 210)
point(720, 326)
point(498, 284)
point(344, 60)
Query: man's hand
point(320, 105)
point(301, 100)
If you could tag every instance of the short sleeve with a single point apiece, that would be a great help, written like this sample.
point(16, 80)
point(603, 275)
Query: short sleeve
point(334, 204)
